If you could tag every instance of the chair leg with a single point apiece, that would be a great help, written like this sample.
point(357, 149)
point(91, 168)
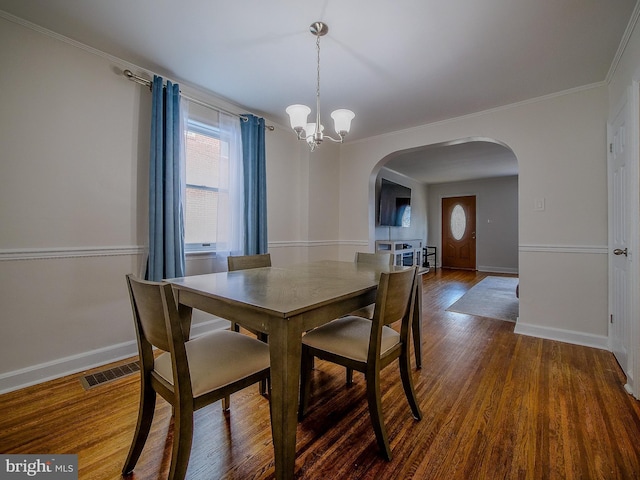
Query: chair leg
point(349, 376)
point(271, 422)
point(416, 324)
point(305, 381)
point(375, 412)
point(264, 387)
point(407, 384)
point(182, 439)
point(145, 417)
point(235, 327)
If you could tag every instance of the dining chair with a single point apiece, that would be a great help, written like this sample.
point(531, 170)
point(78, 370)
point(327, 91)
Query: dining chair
point(367, 312)
point(378, 258)
point(244, 262)
point(189, 374)
point(368, 346)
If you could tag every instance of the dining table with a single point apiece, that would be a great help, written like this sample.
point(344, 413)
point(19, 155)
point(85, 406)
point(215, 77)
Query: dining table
point(284, 302)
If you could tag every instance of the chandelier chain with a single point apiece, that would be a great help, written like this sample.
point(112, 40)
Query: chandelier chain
point(318, 127)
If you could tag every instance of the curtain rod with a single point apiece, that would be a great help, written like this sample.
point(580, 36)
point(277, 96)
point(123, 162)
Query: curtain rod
point(147, 83)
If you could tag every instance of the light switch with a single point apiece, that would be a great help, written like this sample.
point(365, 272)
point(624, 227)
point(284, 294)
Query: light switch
point(538, 204)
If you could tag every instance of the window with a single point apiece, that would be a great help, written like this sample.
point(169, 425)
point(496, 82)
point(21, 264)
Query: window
point(214, 185)
point(205, 153)
point(458, 222)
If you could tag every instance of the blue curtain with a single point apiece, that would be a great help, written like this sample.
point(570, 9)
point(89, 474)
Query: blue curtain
point(255, 185)
point(166, 227)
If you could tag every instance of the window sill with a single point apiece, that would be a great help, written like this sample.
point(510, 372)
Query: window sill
point(201, 253)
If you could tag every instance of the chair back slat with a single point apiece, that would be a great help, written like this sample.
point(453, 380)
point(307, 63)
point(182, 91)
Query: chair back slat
point(395, 295)
point(146, 300)
point(245, 262)
point(379, 258)
point(394, 302)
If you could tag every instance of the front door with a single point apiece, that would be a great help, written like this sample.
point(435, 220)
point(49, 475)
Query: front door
point(459, 232)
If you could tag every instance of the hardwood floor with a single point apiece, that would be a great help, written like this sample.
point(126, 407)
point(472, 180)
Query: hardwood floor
point(495, 406)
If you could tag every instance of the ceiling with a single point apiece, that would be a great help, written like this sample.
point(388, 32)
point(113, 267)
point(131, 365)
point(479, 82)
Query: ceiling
point(455, 162)
point(395, 64)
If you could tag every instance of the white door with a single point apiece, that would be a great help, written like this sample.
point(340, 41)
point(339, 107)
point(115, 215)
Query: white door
point(620, 223)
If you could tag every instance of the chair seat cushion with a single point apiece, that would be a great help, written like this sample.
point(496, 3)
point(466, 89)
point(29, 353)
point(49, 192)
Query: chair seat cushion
point(349, 337)
point(217, 359)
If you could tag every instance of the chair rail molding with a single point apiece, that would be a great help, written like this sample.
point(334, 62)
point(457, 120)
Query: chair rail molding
point(317, 243)
point(69, 252)
point(594, 249)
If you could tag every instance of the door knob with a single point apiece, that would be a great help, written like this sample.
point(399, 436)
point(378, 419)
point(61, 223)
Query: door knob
point(617, 251)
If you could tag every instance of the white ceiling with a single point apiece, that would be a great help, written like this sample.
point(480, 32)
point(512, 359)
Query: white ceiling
point(455, 162)
point(396, 64)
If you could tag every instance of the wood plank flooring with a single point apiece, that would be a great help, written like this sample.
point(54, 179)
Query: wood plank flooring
point(495, 405)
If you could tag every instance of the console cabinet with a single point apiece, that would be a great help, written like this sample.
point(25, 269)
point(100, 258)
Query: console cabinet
point(405, 252)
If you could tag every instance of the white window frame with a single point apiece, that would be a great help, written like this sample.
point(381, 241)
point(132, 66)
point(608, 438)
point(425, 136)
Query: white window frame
point(211, 131)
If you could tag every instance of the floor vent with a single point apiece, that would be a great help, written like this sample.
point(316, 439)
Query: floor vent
point(105, 376)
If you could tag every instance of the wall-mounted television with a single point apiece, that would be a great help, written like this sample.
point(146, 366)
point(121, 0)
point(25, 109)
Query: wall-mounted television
point(394, 205)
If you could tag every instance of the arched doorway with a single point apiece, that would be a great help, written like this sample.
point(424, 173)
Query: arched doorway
point(481, 166)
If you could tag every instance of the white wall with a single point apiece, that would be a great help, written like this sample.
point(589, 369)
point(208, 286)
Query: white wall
point(302, 199)
point(496, 220)
point(71, 192)
point(627, 70)
point(560, 144)
point(73, 203)
point(417, 229)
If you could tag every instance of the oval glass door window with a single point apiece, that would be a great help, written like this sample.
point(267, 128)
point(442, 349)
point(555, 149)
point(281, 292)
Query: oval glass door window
point(458, 222)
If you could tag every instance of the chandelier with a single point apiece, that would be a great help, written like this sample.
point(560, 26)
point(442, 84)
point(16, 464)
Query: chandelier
point(313, 132)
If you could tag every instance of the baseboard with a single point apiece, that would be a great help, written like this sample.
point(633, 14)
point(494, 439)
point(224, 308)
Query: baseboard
point(62, 367)
point(489, 269)
point(566, 336)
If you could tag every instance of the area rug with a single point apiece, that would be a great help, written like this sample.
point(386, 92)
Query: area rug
point(493, 297)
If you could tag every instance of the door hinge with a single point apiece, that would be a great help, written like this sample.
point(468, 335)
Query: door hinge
point(611, 148)
point(611, 318)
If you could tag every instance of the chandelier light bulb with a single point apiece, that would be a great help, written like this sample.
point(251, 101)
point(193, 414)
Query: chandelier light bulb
point(298, 116)
point(342, 120)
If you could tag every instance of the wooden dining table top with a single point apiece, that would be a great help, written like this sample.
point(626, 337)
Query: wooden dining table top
point(287, 291)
